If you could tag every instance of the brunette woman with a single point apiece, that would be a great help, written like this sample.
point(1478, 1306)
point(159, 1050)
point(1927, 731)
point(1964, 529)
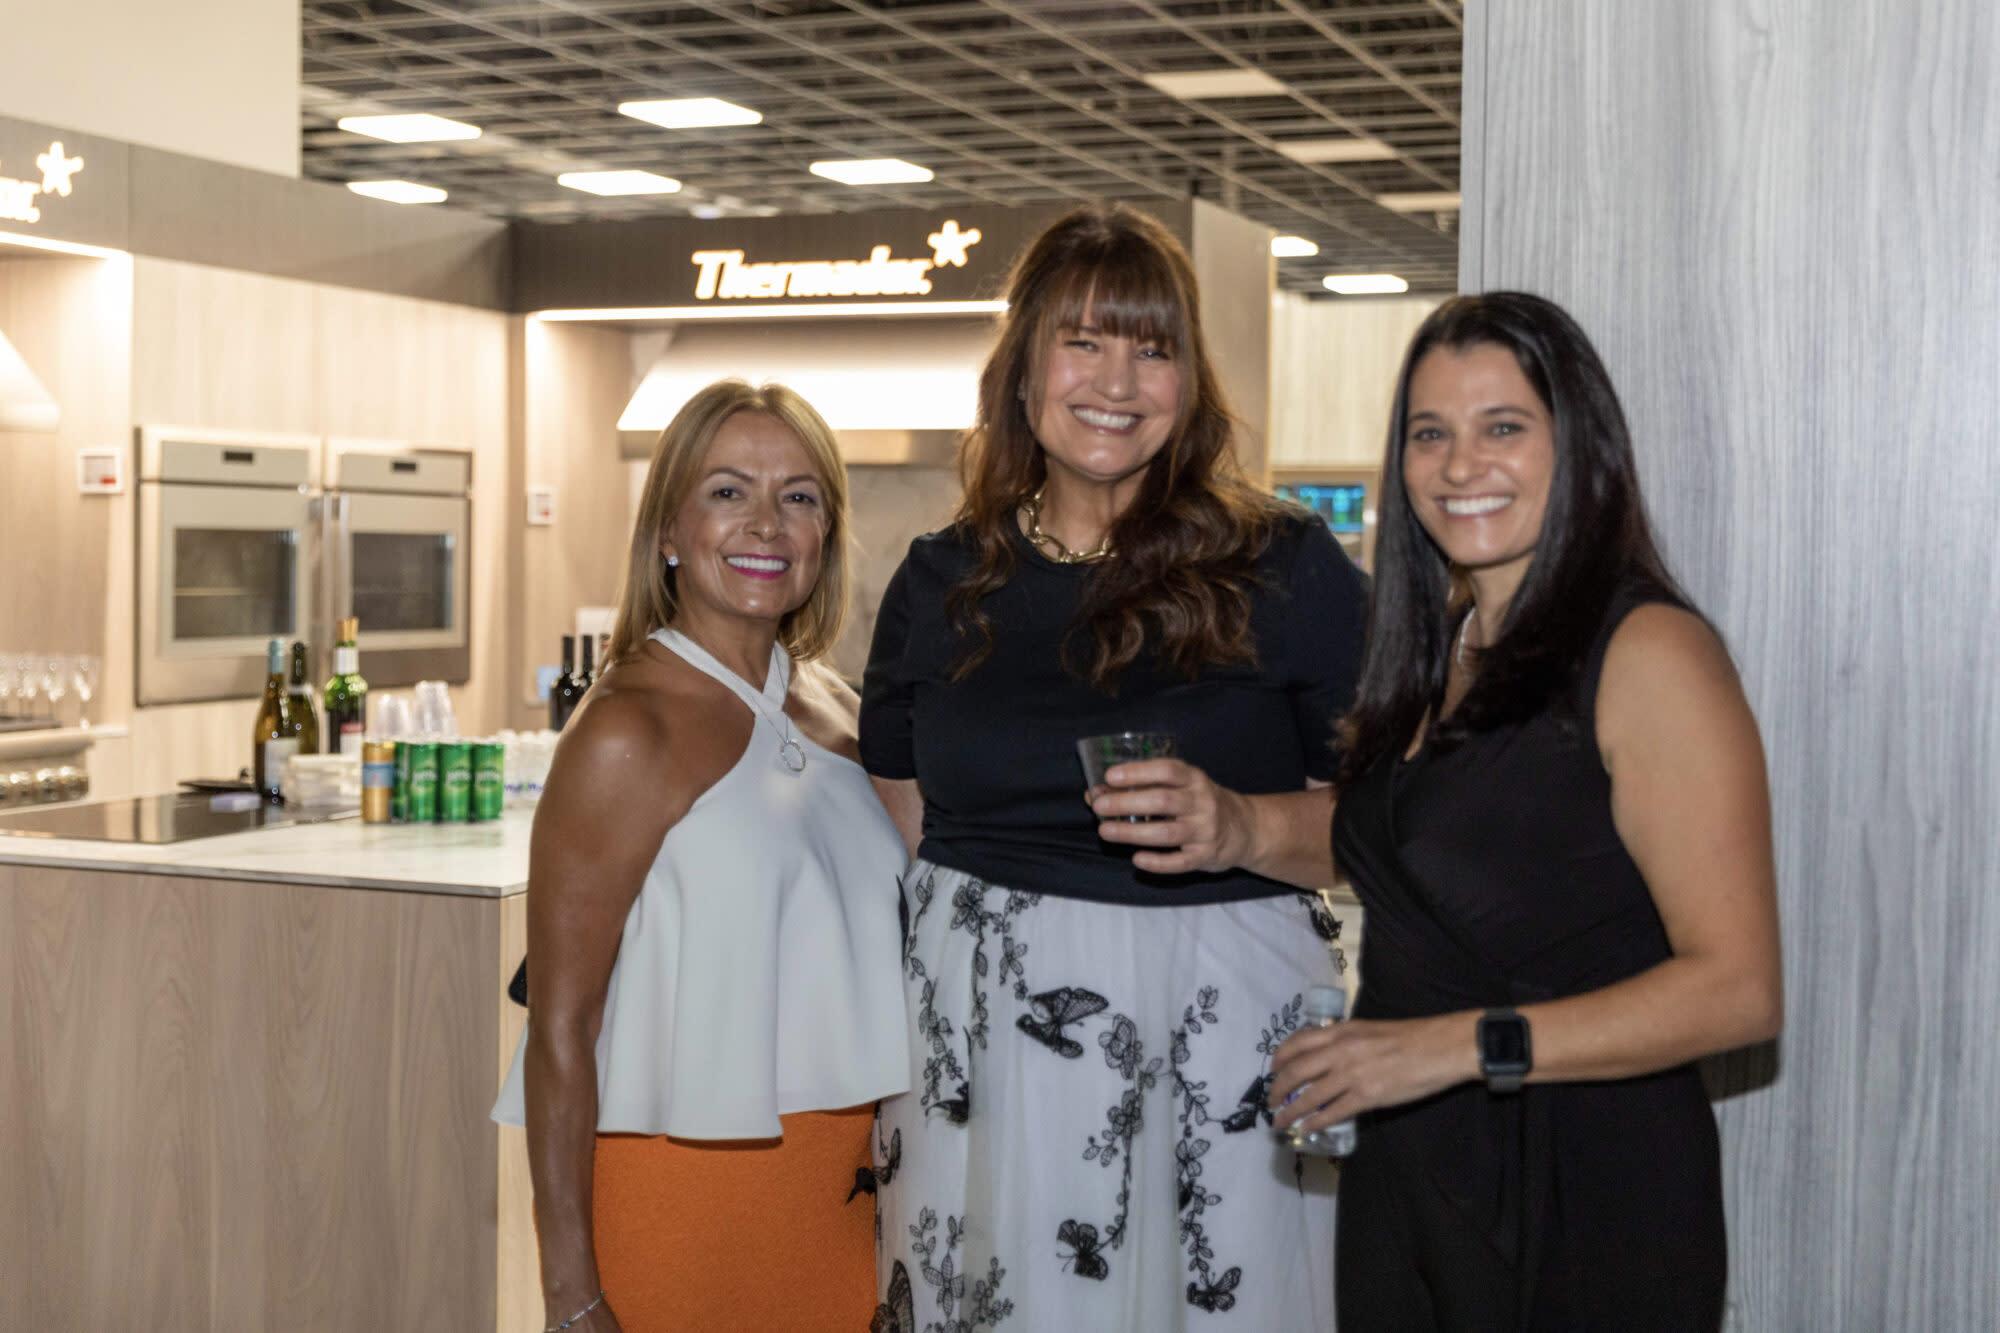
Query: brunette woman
point(1553, 807)
point(714, 1005)
point(1086, 1146)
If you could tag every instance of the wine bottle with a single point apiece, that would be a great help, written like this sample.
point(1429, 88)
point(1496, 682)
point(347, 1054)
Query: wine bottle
point(588, 676)
point(563, 695)
point(346, 694)
point(271, 740)
point(303, 712)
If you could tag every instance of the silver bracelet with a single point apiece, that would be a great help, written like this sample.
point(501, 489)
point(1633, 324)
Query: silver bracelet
point(558, 1328)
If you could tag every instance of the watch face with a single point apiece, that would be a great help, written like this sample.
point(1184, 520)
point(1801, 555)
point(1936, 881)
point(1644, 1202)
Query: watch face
point(1503, 1042)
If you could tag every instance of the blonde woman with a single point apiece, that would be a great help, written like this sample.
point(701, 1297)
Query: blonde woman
point(715, 1003)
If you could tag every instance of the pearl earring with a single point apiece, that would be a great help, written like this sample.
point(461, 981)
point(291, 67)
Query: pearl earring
point(673, 562)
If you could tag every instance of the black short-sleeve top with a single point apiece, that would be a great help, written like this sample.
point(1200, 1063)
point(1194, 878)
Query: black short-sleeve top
point(995, 754)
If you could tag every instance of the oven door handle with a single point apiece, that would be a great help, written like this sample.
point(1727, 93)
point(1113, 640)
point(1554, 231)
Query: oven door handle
point(339, 558)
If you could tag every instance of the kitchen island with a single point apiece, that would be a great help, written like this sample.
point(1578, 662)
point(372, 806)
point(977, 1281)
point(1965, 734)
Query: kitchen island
point(244, 1081)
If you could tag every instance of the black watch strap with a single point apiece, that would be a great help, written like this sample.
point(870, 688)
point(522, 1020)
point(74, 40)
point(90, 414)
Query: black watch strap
point(1506, 1050)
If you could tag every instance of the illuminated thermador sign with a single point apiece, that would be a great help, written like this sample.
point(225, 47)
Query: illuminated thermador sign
point(17, 197)
point(724, 276)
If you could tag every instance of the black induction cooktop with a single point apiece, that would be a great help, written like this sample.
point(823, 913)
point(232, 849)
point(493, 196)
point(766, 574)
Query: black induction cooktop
point(154, 819)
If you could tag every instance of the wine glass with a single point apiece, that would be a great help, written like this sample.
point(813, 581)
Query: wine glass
point(83, 674)
point(55, 684)
point(28, 689)
point(10, 680)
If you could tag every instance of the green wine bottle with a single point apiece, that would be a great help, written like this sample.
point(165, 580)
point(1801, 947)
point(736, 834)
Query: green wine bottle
point(303, 712)
point(271, 740)
point(346, 694)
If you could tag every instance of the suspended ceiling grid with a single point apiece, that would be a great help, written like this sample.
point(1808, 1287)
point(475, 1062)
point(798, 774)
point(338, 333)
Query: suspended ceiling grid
point(1007, 101)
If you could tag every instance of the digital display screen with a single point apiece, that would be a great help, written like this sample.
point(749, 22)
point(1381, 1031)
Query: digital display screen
point(1343, 506)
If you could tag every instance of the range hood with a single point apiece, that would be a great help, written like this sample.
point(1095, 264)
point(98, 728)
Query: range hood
point(24, 404)
point(893, 390)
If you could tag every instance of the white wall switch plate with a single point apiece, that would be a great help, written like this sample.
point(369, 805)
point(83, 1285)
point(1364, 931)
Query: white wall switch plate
point(100, 472)
point(541, 506)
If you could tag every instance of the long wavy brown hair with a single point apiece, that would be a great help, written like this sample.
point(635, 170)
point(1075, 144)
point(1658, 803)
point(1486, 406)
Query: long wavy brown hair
point(1186, 548)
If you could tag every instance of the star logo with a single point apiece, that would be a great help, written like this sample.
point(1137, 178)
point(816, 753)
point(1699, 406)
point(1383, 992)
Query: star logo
point(949, 244)
point(57, 169)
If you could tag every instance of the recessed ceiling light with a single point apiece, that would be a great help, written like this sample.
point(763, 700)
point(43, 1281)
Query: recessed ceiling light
point(1337, 150)
point(408, 129)
point(1292, 247)
point(1364, 284)
point(1420, 201)
point(399, 192)
point(691, 113)
point(872, 171)
point(1197, 84)
point(618, 182)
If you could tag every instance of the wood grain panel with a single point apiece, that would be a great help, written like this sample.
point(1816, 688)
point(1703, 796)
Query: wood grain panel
point(222, 350)
point(69, 319)
point(518, 1270)
point(1334, 373)
point(576, 381)
point(1779, 229)
point(236, 1106)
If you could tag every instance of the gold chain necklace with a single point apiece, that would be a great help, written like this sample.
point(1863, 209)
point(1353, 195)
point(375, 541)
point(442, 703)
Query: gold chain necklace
point(1053, 546)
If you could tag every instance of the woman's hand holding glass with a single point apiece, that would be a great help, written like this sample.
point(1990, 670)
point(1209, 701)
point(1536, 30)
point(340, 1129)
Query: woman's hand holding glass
point(1334, 1073)
point(1189, 822)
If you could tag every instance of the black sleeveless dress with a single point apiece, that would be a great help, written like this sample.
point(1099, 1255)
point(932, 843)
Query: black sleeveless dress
point(1492, 875)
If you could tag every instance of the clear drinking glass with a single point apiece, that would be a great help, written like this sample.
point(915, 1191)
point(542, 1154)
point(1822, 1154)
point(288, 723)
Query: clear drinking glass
point(10, 683)
point(1102, 753)
point(28, 689)
point(55, 684)
point(84, 669)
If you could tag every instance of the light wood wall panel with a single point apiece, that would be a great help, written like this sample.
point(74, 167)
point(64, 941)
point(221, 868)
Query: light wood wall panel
point(1779, 226)
point(69, 319)
point(248, 1107)
point(576, 380)
point(1333, 376)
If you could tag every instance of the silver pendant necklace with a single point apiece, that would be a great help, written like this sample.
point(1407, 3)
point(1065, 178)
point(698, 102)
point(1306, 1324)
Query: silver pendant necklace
point(778, 680)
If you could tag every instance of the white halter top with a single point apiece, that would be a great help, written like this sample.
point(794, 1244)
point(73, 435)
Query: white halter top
point(760, 971)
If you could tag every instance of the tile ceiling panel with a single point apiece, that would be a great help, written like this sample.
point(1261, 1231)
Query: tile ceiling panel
point(1006, 101)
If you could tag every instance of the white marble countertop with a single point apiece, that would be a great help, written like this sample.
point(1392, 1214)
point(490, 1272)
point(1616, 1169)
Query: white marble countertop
point(476, 860)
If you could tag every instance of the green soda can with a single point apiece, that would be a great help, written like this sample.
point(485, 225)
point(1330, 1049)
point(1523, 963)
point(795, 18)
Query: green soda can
point(454, 782)
point(489, 780)
point(399, 795)
point(420, 801)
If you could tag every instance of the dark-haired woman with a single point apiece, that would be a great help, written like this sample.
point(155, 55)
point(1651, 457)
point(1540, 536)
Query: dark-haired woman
point(1086, 1145)
point(1553, 807)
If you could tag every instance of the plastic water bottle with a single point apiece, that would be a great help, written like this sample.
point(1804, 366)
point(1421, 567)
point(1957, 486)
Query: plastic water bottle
point(1325, 1006)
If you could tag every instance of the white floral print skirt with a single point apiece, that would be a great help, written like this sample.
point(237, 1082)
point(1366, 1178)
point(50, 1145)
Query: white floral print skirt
point(1085, 1147)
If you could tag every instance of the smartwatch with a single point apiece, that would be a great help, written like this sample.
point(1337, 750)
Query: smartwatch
point(1506, 1054)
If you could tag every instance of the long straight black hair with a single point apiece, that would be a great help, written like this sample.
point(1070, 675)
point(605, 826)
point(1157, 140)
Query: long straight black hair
point(1594, 538)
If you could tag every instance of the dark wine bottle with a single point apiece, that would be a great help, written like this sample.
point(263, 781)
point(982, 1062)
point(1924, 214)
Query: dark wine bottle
point(271, 739)
point(302, 712)
point(567, 690)
point(588, 676)
point(346, 694)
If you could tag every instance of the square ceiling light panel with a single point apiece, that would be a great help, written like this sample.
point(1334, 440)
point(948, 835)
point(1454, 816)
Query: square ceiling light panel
point(1196, 85)
point(872, 171)
point(691, 113)
point(399, 192)
point(409, 129)
point(1364, 284)
point(618, 182)
point(1420, 201)
point(1337, 150)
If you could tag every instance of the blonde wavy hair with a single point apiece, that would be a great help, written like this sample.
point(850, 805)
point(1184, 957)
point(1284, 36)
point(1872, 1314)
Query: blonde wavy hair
point(647, 601)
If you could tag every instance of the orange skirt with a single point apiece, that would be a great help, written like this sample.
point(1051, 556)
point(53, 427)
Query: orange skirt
point(757, 1234)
